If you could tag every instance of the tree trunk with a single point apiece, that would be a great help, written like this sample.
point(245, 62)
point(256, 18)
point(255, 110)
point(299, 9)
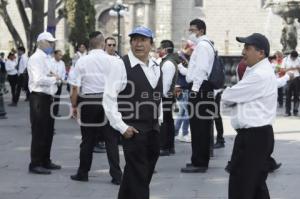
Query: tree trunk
point(51, 26)
point(37, 23)
point(11, 28)
point(25, 20)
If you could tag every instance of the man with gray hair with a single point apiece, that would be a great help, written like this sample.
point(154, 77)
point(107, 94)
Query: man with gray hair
point(42, 86)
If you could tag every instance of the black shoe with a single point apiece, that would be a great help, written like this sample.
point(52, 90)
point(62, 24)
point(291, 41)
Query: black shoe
point(194, 169)
point(98, 149)
point(52, 166)
point(228, 167)
point(12, 104)
point(164, 152)
point(287, 114)
point(188, 165)
point(80, 177)
point(219, 145)
point(295, 114)
point(3, 117)
point(275, 167)
point(39, 170)
point(115, 181)
point(172, 151)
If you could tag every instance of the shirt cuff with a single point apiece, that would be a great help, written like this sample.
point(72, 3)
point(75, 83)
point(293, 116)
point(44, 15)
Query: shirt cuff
point(121, 127)
point(195, 87)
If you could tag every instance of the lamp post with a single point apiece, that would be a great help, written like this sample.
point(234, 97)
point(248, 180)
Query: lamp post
point(118, 9)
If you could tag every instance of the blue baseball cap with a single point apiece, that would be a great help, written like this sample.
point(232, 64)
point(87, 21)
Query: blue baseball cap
point(258, 40)
point(141, 30)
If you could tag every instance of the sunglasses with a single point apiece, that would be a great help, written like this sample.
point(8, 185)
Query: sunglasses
point(110, 45)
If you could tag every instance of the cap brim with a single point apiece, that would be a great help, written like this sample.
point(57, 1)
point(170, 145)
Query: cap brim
point(52, 40)
point(139, 34)
point(242, 39)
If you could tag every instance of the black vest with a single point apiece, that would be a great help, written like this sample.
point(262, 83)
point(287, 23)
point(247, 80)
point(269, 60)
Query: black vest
point(139, 102)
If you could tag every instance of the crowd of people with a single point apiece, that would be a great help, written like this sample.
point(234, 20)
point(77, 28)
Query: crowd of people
point(148, 98)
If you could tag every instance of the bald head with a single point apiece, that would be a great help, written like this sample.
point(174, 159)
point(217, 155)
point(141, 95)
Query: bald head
point(96, 40)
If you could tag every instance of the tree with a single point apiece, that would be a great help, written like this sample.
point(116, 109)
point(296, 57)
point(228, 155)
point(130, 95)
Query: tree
point(33, 28)
point(81, 20)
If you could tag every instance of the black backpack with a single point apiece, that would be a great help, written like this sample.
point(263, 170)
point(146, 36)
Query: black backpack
point(217, 75)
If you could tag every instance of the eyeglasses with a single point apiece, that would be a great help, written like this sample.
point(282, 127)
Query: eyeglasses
point(110, 45)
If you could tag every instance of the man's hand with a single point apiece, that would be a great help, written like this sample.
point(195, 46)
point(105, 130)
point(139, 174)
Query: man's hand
point(74, 112)
point(129, 133)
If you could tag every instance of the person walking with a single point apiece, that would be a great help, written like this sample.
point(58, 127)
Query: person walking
point(132, 103)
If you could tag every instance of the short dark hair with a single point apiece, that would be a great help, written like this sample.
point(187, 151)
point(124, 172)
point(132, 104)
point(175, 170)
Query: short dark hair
point(10, 54)
point(110, 38)
point(57, 51)
point(200, 24)
point(94, 34)
point(21, 48)
point(167, 44)
point(294, 54)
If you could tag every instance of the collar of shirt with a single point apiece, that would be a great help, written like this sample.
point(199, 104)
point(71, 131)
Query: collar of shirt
point(263, 63)
point(95, 51)
point(41, 52)
point(135, 61)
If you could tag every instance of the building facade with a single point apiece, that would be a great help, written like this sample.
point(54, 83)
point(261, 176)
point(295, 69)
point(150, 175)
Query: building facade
point(170, 19)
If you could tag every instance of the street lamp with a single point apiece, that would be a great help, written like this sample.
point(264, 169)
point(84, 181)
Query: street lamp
point(118, 9)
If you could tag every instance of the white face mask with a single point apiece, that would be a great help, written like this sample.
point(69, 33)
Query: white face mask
point(193, 37)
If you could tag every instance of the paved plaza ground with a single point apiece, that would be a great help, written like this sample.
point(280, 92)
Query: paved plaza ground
point(167, 183)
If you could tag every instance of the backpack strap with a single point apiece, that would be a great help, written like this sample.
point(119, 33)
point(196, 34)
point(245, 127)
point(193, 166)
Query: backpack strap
point(211, 46)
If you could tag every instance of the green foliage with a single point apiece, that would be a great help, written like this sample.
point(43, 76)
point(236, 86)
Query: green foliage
point(81, 20)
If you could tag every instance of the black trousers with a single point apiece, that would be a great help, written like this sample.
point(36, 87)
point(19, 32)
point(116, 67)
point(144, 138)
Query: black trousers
point(249, 163)
point(280, 96)
point(292, 91)
point(112, 137)
point(13, 82)
point(42, 128)
point(201, 111)
point(167, 128)
point(92, 121)
point(57, 100)
point(218, 119)
point(141, 154)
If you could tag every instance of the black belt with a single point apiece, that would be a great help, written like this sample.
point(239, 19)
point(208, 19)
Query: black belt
point(40, 94)
point(251, 128)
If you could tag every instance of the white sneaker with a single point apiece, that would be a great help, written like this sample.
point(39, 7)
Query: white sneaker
point(178, 137)
point(186, 138)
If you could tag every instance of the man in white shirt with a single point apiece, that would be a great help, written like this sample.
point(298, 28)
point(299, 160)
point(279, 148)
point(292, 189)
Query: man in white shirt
point(42, 86)
point(132, 101)
point(201, 98)
point(12, 76)
point(170, 73)
point(292, 64)
point(58, 67)
point(90, 75)
point(254, 102)
point(22, 73)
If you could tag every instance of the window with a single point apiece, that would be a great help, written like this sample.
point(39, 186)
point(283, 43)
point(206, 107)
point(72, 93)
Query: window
point(263, 2)
point(198, 3)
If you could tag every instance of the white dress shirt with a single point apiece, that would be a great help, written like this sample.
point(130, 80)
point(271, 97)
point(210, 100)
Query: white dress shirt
point(91, 71)
point(168, 71)
point(117, 82)
point(289, 63)
point(40, 78)
point(22, 64)
point(10, 67)
point(255, 97)
point(58, 68)
point(201, 63)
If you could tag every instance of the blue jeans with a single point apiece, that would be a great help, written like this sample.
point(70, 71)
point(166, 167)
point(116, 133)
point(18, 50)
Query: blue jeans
point(183, 114)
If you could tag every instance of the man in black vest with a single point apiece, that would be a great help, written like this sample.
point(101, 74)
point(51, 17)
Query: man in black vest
point(170, 73)
point(132, 101)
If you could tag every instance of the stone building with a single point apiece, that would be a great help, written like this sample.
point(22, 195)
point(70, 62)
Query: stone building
point(170, 19)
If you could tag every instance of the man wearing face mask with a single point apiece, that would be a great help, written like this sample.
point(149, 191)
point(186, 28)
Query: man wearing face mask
point(201, 97)
point(42, 86)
